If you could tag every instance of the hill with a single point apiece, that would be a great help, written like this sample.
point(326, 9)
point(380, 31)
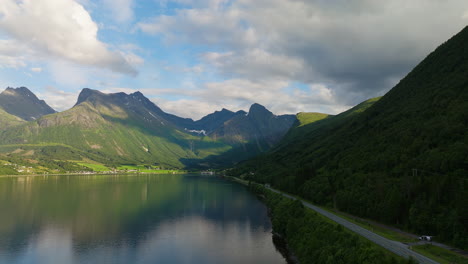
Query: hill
point(7, 120)
point(21, 102)
point(402, 160)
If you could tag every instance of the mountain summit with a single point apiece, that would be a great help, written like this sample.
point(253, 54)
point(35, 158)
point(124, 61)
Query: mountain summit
point(21, 102)
point(258, 109)
point(259, 125)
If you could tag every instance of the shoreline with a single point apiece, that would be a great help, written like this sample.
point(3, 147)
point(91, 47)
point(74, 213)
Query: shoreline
point(81, 174)
point(279, 241)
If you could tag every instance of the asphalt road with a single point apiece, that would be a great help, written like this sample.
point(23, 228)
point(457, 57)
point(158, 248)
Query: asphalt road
point(394, 246)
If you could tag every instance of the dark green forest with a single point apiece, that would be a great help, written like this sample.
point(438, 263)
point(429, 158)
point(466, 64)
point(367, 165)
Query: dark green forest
point(401, 160)
point(316, 240)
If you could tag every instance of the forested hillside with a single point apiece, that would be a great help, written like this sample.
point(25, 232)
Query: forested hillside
point(401, 161)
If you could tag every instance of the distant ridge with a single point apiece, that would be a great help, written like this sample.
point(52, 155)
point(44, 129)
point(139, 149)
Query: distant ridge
point(21, 102)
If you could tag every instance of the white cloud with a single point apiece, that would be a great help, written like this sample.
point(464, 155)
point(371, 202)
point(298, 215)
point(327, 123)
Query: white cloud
point(122, 10)
point(67, 74)
point(465, 15)
point(58, 99)
point(13, 54)
point(11, 62)
point(60, 28)
point(36, 69)
point(200, 26)
point(133, 59)
point(256, 64)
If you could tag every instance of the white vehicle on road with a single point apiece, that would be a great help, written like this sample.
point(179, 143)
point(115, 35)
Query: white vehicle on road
point(425, 238)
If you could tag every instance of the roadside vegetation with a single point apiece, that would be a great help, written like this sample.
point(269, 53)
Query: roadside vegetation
point(444, 256)
point(314, 239)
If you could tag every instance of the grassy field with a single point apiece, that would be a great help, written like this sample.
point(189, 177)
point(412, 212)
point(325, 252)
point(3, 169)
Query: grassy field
point(444, 256)
point(129, 168)
point(147, 169)
point(307, 118)
point(95, 167)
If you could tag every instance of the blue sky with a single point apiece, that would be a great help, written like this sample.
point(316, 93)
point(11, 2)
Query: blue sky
point(192, 57)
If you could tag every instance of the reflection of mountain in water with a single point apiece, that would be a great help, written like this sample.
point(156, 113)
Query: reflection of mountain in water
point(121, 211)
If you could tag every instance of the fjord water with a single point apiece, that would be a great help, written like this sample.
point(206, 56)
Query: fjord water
point(132, 219)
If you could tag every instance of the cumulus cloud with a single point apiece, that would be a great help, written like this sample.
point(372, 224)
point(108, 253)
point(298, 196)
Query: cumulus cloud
point(357, 49)
point(200, 26)
point(256, 64)
point(133, 59)
point(61, 29)
point(58, 99)
point(13, 54)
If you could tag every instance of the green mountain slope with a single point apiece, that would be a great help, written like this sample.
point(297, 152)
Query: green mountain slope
point(7, 120)
point(21, 102)
point(308, 118)
point(402, 161)
point(316, 125)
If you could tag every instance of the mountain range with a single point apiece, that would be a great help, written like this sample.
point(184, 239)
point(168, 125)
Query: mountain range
point(121, 128)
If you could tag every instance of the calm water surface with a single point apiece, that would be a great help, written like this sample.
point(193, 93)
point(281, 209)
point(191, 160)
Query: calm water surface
point(132, 219)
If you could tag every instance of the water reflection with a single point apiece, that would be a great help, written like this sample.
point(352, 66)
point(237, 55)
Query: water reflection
point(132, 219)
